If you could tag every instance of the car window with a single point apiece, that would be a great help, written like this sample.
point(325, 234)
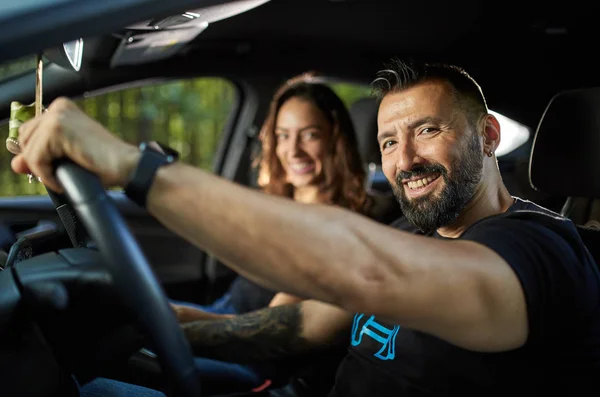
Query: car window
point(17, 67)
point(188, 115)
point(350, 92)
point(10, 8)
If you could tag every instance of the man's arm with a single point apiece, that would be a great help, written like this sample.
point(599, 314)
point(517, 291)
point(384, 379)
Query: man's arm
point(459, 291)
point(269, 334)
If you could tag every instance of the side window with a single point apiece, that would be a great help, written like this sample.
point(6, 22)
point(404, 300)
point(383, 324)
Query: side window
point(187, 115)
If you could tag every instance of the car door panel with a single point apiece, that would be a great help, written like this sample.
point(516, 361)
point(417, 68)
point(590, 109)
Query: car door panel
point(173, 259)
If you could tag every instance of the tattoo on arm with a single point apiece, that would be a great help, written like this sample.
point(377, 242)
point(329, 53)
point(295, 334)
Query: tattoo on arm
point(263, 335)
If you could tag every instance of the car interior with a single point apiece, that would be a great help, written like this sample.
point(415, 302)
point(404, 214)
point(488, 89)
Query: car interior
point(575, 111)
point(199, 75)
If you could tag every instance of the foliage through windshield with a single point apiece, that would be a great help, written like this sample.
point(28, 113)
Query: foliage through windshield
point(17, 67)
point(188, 115)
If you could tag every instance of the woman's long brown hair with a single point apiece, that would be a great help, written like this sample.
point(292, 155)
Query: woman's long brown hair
point(343, 173)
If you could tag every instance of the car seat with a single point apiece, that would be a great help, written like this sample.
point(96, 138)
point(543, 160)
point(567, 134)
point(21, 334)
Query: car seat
point(564, 162)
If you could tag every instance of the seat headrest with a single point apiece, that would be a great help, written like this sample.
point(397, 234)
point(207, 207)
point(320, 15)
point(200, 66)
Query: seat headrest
point(565, 155)
point(364, 117)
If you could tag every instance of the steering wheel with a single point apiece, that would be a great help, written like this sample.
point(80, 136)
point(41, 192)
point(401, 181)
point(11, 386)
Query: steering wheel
point(132, 276)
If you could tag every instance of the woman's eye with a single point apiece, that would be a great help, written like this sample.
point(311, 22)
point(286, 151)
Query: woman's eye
point(311, 135)
point(281, 137)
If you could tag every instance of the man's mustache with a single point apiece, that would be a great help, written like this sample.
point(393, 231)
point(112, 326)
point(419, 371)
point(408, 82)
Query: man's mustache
point(420, 170)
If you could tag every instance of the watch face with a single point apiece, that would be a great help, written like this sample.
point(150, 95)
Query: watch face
point(164, 149)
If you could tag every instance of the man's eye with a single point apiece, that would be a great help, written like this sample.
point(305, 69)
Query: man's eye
point(387, 144)
point(429, 130)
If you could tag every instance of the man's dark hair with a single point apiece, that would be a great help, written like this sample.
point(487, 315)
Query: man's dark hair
point(400, 75)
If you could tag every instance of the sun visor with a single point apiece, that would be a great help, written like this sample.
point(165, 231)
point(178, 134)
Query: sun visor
point(207, 14)
point(565, 157)
point(145, 47)
point(163, 37)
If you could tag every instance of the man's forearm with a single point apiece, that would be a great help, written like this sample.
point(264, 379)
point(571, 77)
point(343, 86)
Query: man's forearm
point(322, 252)
point(260, 336)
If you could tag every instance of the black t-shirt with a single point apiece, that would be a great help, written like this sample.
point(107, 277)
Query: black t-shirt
point(562, 354)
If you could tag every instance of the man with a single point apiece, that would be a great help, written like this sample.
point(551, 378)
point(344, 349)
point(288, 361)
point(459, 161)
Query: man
point(492, 301)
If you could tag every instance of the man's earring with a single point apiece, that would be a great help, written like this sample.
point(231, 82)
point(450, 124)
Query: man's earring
point(490, 153)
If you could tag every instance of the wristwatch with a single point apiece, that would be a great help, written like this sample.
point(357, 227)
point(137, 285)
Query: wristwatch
point(153, 156)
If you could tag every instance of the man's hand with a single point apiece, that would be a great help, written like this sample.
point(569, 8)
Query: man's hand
point(64, 131)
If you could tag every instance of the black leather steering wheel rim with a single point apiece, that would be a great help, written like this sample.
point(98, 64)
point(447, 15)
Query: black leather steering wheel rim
point(132, 275)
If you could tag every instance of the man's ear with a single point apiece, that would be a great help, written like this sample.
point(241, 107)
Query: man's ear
point(491, 134)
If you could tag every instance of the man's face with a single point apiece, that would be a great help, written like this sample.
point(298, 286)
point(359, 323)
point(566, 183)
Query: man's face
point(430, 154)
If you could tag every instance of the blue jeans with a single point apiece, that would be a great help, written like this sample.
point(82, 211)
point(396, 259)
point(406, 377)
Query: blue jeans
point(207, 369)
point(221, 370)
point(101, 387)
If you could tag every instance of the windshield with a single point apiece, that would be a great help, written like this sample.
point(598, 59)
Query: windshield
point(10, 8)
point(17, 67)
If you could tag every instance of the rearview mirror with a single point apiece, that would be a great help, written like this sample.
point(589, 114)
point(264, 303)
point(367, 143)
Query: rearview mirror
point(68, 55)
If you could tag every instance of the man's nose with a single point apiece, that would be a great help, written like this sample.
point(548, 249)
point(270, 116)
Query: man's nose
point(407, 156)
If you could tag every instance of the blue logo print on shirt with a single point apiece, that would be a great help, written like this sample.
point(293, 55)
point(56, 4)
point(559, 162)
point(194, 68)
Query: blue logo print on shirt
point(377, 332)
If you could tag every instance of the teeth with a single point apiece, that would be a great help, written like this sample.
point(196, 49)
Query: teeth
point(421, 182)
point(299, 166)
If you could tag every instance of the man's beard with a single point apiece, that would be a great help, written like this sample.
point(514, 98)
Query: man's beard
point(430, 212)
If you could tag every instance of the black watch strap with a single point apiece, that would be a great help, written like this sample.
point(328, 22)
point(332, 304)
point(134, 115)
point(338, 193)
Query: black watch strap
point(151, 160)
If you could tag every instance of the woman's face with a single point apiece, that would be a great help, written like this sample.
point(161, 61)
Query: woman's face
point(301, 132)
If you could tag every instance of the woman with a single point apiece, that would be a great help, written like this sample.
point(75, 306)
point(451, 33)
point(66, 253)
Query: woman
point(309, 154)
